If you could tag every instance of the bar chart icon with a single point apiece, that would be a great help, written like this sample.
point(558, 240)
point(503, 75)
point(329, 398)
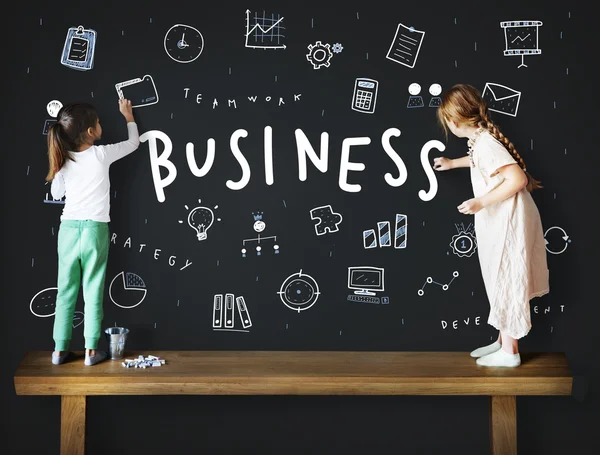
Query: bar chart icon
point(383, 238)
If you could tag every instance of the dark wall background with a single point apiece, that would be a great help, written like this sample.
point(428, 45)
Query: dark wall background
point(463, 43)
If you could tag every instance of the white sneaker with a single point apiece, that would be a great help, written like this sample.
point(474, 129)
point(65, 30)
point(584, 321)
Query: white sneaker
point(485, 350)
point(94, 359)
point(500, 358)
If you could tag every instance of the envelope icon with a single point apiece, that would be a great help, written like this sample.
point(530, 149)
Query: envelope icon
point(502, 99)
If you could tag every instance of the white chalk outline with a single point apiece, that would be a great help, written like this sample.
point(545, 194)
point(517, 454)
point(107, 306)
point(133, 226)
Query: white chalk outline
point(32, 300)
point(127, 289)
point(405, 230)
point(429, 280)
point(565, 237)
point(182, 39)
point(521, 52)
point(119, 86)
point(397, 36)
point(88, 63)
point(365, 234)
point(263, 30)
point(327, 229)
point(380, 226)
point(366, 291)
point(299, 277)
point(516, 93)
point(82, 318)
point(357, 90)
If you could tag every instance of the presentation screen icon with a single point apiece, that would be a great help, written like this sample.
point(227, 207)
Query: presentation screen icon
point(406, 45)
point(78, 51)
point(521, 38)
point(365, 95)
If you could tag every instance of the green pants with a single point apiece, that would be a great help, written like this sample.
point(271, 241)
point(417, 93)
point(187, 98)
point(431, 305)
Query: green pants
point(82, 256)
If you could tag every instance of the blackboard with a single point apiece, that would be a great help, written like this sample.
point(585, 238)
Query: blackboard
point(273, 119)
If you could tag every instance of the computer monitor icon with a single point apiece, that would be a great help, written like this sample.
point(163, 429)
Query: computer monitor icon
point(365, 279)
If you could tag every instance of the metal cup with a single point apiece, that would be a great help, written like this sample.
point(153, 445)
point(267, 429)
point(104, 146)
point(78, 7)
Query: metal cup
point(116, 336)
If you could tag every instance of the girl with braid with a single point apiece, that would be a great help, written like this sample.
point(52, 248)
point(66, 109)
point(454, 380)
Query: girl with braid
point(510, 238)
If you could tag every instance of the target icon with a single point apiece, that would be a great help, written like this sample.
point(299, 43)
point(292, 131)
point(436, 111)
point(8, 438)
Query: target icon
point(299, 291)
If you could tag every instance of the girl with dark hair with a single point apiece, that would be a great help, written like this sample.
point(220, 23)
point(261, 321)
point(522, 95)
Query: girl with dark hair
point(79, 172)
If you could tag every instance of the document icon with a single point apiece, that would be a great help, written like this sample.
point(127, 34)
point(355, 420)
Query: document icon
point(406, 45)
point(141, 92)
point(501, 99)
point(78, 51)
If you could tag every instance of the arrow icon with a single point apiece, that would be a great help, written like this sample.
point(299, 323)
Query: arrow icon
point(565, 237)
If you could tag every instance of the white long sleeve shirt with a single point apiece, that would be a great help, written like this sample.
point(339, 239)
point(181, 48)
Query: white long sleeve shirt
point(85, 182)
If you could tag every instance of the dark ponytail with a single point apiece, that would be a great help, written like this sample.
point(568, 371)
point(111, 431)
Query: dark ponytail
point(68, 133)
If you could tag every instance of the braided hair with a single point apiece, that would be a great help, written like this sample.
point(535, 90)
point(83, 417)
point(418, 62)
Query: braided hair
point(464, 104)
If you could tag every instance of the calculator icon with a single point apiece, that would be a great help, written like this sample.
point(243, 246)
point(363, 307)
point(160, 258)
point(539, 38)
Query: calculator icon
point(365, 95)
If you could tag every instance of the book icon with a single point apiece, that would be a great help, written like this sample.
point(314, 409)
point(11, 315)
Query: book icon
point(224, 311)
point(78, 51)
point(406, 45)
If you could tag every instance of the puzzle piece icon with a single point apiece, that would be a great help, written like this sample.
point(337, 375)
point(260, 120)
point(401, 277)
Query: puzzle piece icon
point(328, 219)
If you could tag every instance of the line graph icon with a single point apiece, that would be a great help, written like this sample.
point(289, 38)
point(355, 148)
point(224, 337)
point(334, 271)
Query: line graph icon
point(444, 287)
point(264, 31)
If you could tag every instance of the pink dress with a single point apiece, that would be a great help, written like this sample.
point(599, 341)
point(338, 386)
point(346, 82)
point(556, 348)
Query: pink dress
point(510, 243)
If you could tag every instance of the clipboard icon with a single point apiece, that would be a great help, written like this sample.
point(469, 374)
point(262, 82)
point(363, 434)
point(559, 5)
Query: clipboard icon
point(78, 51)
point(140, 91)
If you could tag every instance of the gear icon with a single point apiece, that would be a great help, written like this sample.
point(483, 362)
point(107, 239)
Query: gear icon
point(337, 48)
point(319, 54)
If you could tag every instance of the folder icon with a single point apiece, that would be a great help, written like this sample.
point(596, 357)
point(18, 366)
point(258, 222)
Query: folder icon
point(501, 99)
point(140, 91)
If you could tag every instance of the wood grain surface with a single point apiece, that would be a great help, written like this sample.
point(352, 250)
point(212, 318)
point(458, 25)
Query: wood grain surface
point(296, 373)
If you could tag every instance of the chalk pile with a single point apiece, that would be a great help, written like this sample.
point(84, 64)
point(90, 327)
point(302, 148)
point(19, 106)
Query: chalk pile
point(144, 362)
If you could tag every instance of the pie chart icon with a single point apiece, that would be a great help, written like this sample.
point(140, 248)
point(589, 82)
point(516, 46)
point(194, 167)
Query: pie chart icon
point(127, 290)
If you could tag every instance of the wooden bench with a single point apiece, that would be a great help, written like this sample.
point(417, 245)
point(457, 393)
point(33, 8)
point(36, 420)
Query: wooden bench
point(296, 373)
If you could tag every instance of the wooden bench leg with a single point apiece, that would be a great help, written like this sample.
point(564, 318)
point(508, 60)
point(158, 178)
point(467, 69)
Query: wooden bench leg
point(503, 425)
point(72, 424)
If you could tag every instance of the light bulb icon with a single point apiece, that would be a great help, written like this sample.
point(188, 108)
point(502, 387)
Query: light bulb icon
point(200, 220)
